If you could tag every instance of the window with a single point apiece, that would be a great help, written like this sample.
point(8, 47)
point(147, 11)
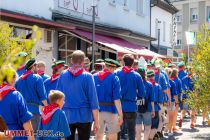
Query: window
point(125, 3)
point(112, 2)
point(179, 41)
point(208, 13)
point(164, 31)
point(140, 7)
point(194, 14)
point(47, 36)
point(156, 28)
point(178, 18)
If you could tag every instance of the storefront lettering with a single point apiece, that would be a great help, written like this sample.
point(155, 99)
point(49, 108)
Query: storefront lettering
point(81, 7)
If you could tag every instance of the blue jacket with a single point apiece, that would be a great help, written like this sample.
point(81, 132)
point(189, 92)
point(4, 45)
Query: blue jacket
point(173, 90)
point(50, 86)
point(80, 96)
point(14, 111)
point(161, 80)
point(178, 83)
point(158, 96)
point(187, 85)
point(44, 77)
point(182, 74)
point(20, 72)
point(33, 91)
point(58, 124)
point(108, 90)
point(131, 87)
point(149, 94)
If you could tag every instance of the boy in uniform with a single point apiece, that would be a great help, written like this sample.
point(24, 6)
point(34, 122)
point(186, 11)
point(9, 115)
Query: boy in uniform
point(41, 70)
point(21, 69)
point(54, 119)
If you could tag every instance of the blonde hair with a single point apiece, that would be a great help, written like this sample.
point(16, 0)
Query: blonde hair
point(41, 64)
point(55, 95)
point(77, 57)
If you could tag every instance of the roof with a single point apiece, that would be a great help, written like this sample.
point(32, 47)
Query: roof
point(165, 5)
point(31, 20)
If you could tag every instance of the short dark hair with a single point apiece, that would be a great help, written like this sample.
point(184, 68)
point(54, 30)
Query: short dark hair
point(128, 59)
point(174, 72)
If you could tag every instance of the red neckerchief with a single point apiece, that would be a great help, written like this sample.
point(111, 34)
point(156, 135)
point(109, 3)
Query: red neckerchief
point(76, 70)
point(103, 74)
point(54, 77)
point(157, 71)
point(152, 81)
point(173, 78)
point(24, 76)
point(21, 67)
point(5, 89)
point(189, 75)
point(48, 112)
point(40, 72)
point(181, 70)
point(126, 69)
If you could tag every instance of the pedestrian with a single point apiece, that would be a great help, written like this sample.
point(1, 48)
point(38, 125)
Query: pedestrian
point(178, 82)
point(160, 78)
point(22, 56)
point(54, 119)
point(87, 64)
point(51, 83)
point(32, 88)
point(174, 103)
point(135, 65)
point(145, 119)
point(158, 100)
point(41, 70)
point(98, 66)
point(81, 106)
point(187, 84)
point(131, 87)
point(181, 68)
point(108, 91)
point(13, 108)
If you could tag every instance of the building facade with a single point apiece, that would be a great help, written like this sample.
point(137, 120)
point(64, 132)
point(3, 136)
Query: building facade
point(162, 12)
point(191, 16)
point(122, 26)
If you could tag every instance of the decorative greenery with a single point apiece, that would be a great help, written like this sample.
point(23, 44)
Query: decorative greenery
point(199, 98)
point(10, 46)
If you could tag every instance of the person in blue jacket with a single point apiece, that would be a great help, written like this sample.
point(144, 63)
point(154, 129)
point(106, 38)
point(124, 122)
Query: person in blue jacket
point(51, 83)
point(145, 118)
point(178, 82)
point(131, 87)
point(158, 100)
point(21, 69)
point(81, 106)
point(54, 119)
point(181, 68)
point(41, 70)
point(108, 91)
point(174, 103)
point(13, 108)
point(32, 88)
point(187, 85)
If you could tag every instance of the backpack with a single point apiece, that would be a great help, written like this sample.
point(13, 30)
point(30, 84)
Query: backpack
point(142, 104)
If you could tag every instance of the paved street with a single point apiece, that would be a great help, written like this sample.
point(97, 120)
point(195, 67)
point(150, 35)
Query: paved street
point(186, 133)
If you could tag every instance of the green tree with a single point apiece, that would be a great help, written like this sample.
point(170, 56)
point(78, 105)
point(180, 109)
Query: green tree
point(10, 46)
point(199, 98)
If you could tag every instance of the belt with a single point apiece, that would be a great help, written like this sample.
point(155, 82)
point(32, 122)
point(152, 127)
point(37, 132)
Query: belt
point(34, 104)
point(106, 104)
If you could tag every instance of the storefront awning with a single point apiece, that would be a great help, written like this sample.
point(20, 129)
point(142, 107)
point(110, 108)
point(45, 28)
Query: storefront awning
point(121, 46)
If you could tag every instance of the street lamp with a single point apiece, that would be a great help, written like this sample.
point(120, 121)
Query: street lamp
point(93, 32)
point(159, 23)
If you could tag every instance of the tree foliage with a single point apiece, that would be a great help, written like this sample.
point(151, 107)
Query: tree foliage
point(10, 46)
point(199, 98)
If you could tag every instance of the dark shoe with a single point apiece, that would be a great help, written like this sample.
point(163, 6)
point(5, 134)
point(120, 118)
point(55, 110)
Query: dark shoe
point(156, 137)
point(180, 123)
point(160, 134)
